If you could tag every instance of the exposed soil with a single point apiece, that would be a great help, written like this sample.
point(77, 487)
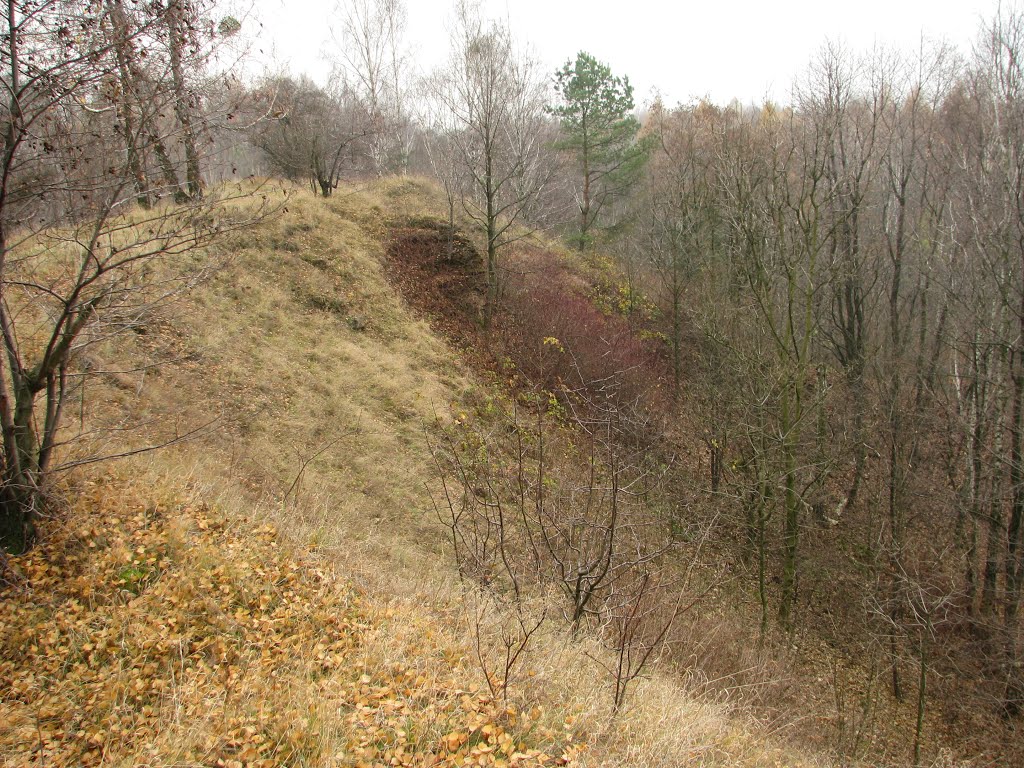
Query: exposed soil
point(438, 272)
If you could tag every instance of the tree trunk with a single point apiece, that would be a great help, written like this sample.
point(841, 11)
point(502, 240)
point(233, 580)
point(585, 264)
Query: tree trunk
point(715, 455)
point(182, 108)
point(895, 597)
point(585, 203)
point(128, 93)
point(856, 380)
point(167, 170)
point(922, 698)
point(1014, 565)
point(17, 521)
point(677, 330)
point(764, 491)
point(993, 545)
point(491, 267)
point(19, 496)
point(791, 500)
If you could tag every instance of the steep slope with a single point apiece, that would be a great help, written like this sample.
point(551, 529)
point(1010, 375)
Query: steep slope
point(279, 579)
point(313, 378)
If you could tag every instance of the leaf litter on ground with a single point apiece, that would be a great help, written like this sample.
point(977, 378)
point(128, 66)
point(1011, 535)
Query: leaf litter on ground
point(150, 629)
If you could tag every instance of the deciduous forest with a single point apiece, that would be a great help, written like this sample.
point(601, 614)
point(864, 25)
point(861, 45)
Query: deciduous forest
point(492, 415)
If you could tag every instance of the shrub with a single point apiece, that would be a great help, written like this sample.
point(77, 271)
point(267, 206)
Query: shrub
point(564, 343)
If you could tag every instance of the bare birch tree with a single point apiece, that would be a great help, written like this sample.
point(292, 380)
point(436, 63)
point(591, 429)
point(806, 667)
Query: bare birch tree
point(490, 105)
point(374, 63)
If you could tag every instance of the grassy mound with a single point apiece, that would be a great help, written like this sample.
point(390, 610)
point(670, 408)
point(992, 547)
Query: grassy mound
point(274, 590)
point(308, 377)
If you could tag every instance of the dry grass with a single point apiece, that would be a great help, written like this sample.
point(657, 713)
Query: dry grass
point(317, 383)
point(316, 377)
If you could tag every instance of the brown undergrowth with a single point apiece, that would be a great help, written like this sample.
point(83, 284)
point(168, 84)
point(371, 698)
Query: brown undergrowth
point(569, 325)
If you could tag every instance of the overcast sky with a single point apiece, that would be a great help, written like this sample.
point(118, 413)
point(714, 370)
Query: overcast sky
point(724, 49)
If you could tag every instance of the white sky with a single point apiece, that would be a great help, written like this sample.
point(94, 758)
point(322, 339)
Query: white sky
point(723, 49)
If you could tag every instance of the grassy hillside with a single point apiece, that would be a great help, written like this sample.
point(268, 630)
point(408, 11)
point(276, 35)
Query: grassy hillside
point(309, 367)
point(275, 590)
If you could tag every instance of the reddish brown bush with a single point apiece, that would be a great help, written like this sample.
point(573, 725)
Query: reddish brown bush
point(562, 342)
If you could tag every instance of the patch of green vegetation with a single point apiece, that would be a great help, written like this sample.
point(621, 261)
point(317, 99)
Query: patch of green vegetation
point(325, 303)
point(135, 578)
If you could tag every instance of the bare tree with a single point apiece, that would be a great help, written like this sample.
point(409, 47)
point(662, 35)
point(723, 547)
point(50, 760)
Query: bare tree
point(637, 622)
point(675, 224)
point(312, 133)
point(848, 100)
point(773, 180)
point(77, 264)
point(375, 66)
point(182, 33)
point(490, 105)
point(988, 125)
